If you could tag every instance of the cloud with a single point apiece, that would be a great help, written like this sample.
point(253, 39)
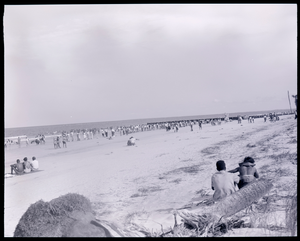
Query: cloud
point(175, 57)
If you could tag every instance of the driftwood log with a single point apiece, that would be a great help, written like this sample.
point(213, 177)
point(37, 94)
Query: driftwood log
point(204, 217)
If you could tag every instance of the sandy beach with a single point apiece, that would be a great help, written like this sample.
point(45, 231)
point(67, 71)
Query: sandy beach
point(164, 171)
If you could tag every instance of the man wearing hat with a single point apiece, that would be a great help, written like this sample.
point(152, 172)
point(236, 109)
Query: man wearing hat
point(247, 171)
point(222, 182)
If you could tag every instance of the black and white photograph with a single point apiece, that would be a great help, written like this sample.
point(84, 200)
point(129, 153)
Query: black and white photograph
point(150, 120)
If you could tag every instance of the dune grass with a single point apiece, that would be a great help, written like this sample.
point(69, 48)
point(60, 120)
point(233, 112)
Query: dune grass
point(144, 191)
point(193, 169)
point(210, 150)
point(291, 214)
point(177, 180)
point(284, 156)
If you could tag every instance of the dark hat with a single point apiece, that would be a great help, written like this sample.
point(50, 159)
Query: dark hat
point(221, 165)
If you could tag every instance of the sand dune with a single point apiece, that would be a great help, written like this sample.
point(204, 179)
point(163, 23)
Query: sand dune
point(164, 171)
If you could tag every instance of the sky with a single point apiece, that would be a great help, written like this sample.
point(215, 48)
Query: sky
point(91, 63)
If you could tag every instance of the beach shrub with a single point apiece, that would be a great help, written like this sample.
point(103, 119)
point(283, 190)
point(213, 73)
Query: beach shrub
point(51, 219)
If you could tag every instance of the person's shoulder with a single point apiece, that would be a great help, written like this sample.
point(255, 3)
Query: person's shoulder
point(215, 174)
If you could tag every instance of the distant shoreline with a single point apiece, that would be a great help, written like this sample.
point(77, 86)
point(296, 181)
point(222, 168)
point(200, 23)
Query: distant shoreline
point(234, 114)
point(33, 131)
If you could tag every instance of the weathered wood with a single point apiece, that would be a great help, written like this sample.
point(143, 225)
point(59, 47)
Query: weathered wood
point(228, 206)
point(242, 198)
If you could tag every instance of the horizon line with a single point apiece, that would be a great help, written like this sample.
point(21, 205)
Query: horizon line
point(149, 118)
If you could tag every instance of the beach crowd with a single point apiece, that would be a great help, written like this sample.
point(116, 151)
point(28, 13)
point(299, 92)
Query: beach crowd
point(60, 139)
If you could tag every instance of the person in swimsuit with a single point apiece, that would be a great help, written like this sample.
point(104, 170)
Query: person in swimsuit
point(247, 171)
point(18, 168)
point(27, 165)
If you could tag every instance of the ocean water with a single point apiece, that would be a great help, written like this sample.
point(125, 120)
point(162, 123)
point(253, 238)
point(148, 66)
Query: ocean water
point(33, 131)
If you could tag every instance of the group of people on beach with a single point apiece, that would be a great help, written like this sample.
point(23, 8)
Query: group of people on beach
point(110, 133)
point(57, 140)
point(25, 167)
point(225, 183)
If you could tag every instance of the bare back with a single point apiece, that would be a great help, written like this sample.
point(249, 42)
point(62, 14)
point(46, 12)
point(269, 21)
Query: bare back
point(248, 170)
point(20, 167)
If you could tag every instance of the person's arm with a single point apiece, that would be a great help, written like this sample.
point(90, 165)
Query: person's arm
point(212, 183)
point(234, 170)
point(256, 174)
point(236, 179)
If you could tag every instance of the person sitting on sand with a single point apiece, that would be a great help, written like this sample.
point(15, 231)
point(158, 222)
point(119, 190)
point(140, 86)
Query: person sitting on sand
point(34, 164)
point(27, 165)
point(131, 141)
point(18, 168)
point(222, 182)
point(247, 171)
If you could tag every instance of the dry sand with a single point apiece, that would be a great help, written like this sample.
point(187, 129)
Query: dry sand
point(164, 171)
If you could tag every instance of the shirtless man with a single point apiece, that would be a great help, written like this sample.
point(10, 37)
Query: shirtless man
point(18, 168)
point(247, 171)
